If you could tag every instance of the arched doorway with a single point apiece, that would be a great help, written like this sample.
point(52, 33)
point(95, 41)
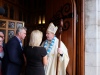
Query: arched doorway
point(73, 33)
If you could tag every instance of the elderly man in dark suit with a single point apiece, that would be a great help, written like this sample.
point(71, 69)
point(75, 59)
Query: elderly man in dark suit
point(14, 53)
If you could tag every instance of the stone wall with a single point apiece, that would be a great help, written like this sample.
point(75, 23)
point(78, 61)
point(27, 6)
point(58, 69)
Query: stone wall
point(92, 37)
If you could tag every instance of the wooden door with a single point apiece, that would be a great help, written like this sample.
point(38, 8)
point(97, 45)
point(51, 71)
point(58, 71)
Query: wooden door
point(66, 10)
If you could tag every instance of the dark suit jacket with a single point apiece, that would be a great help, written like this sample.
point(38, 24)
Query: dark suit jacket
point(14, 57)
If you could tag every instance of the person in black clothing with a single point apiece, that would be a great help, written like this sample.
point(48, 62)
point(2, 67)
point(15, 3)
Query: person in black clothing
point(36, 56)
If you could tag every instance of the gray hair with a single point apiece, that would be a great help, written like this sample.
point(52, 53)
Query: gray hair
point(20, 28)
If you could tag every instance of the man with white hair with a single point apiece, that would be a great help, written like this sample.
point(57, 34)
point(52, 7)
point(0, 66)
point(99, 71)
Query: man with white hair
point(51, 45)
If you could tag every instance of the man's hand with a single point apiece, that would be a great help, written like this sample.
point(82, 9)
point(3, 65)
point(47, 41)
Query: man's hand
point(60, 51)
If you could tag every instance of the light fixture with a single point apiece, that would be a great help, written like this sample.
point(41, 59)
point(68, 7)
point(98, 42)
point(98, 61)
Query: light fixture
point(43, 20)
point(39, 21)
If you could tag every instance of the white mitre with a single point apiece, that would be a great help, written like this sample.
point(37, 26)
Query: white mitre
point(52, 28)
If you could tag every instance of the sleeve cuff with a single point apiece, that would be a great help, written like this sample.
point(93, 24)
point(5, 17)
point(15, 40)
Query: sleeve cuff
point(61, 55)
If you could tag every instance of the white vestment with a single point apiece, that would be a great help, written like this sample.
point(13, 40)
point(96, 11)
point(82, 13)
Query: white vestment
point(50, 68)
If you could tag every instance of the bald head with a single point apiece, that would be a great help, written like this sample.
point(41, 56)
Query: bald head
point(2, 35)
